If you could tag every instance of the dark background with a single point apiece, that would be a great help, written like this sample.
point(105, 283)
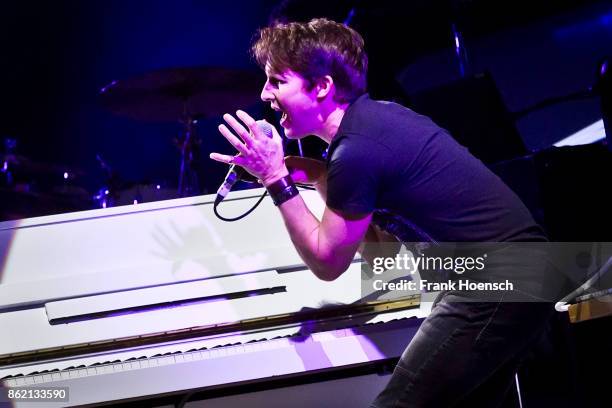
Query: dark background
point(57, 55)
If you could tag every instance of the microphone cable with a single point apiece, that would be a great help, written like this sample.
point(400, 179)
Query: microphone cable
point(265, 193)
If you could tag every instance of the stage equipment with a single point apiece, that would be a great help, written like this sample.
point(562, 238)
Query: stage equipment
point(30, 187)
point(184, 95)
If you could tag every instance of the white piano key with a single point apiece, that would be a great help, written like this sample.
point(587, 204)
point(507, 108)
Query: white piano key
point(166, 360)
point(285, 357)
point(243, 338)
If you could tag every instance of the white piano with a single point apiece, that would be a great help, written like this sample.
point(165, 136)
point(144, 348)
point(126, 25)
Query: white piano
point(162, 304)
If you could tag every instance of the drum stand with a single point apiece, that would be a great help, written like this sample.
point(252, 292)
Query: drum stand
point(188, 184)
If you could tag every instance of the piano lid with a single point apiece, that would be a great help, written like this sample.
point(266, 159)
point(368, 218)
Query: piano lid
point(142, 246)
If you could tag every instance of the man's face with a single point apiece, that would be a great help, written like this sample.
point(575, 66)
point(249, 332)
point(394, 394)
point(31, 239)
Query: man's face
point(287, 93)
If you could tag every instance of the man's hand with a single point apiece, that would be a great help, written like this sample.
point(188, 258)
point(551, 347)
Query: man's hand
point(327, 246)
point(378, 243)
point(259, 154)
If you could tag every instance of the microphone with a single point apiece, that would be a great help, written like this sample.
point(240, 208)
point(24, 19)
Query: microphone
point(236, 172)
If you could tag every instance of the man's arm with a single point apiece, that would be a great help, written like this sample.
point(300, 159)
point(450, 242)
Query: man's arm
point(376, 242)
point(328, 246)
point(313, 172)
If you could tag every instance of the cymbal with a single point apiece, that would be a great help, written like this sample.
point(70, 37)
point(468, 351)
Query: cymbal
point(176, 93)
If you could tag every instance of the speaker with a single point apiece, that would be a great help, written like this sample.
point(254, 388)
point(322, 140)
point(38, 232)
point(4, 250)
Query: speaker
point(565, 190)
point(473, 111)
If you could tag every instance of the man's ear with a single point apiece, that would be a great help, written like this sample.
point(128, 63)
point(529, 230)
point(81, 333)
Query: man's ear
point(325, 86)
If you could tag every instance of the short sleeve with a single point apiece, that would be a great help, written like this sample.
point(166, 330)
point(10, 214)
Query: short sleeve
point(353, 177)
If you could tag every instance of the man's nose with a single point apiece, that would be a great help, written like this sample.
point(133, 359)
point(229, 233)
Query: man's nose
point(266, 95)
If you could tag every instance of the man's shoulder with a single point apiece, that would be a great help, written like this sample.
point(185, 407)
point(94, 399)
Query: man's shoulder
point(367, 116)
point(366, 105)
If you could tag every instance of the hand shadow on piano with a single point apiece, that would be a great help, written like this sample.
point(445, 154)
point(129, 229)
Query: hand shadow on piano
point(199, 252)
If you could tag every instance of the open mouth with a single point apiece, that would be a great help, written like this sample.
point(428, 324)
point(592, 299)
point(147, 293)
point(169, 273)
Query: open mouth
point(283, 119)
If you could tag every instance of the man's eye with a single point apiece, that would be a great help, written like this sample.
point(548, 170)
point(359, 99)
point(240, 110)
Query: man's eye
point(275, 81)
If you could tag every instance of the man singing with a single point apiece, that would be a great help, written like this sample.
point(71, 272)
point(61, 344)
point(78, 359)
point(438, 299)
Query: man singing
point(383, 156)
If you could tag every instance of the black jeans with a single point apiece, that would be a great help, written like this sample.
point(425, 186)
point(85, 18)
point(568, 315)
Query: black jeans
point(465, 354)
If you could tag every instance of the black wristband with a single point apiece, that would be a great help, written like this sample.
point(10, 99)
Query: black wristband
point(282, 190)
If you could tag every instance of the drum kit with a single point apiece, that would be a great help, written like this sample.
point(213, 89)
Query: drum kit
point(31, 187)
point(181, 95)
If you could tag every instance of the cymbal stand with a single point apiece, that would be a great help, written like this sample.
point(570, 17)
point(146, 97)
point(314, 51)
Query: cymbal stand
point(188, 179)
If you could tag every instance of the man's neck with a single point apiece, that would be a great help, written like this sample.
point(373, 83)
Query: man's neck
point(331, 121)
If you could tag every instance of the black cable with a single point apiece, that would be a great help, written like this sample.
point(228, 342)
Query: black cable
point(305, 187)
point(240, 216)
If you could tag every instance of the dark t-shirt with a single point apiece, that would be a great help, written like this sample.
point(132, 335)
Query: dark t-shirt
point(387, 157)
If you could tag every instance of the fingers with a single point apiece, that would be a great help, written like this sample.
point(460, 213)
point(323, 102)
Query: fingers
point(253, 126)
point(239, 129)
point(224, 158)
point(249, 135)
point(249, 121)
point(234, 141)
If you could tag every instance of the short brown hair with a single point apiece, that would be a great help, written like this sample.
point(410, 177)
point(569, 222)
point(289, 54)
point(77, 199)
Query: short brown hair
point(315, 49)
